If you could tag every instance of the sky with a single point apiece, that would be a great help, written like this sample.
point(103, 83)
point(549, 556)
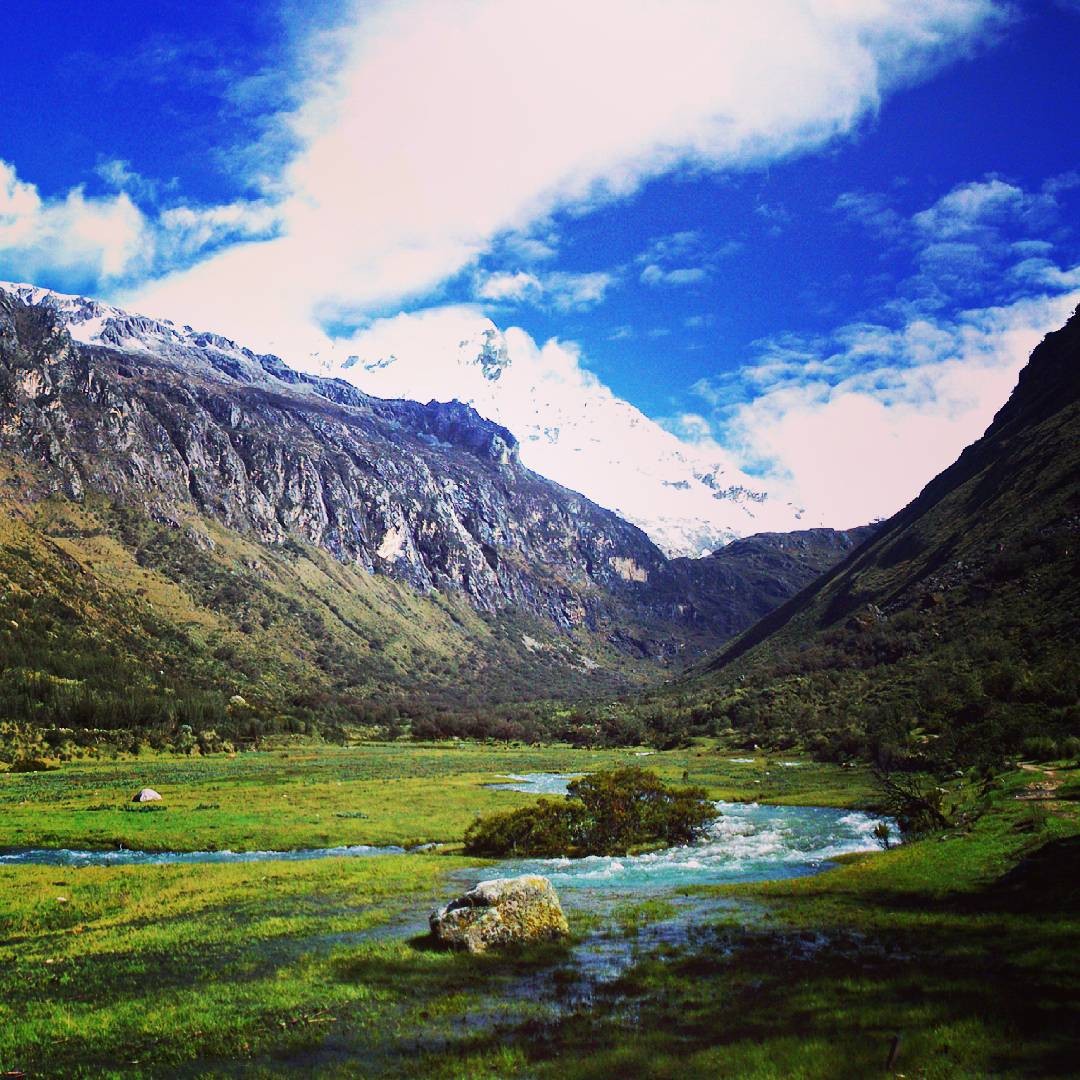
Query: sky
point(812, 239)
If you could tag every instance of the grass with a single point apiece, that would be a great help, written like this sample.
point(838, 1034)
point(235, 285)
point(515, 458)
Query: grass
point(391, 793)
point(964, 947)
point(107, 968)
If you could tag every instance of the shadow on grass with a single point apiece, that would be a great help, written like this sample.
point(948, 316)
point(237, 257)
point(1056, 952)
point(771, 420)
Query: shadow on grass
point(975, 983)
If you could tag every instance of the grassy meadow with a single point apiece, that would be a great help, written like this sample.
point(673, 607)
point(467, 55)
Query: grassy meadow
point(964, 947)
point(390, 793)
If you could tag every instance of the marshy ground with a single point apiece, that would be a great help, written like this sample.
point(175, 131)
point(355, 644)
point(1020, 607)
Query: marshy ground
point(945, 957)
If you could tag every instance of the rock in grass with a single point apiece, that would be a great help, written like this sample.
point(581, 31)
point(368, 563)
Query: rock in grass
point(494, 914)
point(147, 794)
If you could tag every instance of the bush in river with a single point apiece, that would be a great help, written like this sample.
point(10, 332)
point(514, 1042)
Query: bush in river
point(605, 813)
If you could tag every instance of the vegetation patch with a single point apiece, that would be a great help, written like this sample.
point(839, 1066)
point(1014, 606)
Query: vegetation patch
point(606, 813)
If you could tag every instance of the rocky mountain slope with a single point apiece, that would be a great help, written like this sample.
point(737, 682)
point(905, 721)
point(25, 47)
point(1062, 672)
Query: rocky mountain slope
point(953, 634)
point(572, 429)
point(301, 534)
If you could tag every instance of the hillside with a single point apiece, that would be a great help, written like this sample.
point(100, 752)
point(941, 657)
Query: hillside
point(183, 521)
point(740, 583)
point(952, 634)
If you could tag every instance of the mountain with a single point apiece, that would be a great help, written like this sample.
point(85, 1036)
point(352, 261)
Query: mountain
point(744, 581)
point(573, 429)
point(184, 516)
point(953, 633)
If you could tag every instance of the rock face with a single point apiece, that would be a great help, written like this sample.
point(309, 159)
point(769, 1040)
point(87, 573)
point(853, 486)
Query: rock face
point(494, 914)
point(175, 423)
point(147, 794)
point(434, 496)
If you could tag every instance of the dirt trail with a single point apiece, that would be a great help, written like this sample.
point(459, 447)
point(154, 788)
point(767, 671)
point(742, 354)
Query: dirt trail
point(1044, 790)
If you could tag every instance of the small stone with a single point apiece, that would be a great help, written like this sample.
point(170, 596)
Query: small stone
point(147, 794)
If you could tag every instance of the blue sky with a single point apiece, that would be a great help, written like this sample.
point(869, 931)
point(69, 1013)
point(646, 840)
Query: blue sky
point(754, 228)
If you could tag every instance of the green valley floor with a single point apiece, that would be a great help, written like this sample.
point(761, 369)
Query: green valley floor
point(953, 956)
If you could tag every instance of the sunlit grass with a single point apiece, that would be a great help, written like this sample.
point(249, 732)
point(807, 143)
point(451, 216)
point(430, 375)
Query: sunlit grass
point(318, 968)
point(395, 793)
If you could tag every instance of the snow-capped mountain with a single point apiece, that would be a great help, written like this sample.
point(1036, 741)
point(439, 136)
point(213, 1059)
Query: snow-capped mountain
point(92, 322)
point(572, 428)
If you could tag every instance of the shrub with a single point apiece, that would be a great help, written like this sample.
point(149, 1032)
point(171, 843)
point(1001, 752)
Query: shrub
point(604, 814)
point(1040, 748)
point(1070, 747)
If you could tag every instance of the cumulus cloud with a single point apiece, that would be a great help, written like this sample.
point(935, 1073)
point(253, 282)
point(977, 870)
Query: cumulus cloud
point(119, 175)
point(885, 410)
point(982, 241)
point(76, 238)
point(506, 286)
point(678, 275)
point(681, 258)
point(577, 292)
point(559, 290)
point(973, 208)
point(853, 422)
point(90, 242)
point(432, 130)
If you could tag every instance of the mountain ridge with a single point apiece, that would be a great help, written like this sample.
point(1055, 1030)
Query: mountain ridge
point(687, 501)
point(951, 634)
point(153, 443)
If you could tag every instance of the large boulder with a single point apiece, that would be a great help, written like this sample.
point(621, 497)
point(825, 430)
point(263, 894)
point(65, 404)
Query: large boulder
point(506, 911)
point(147, 794)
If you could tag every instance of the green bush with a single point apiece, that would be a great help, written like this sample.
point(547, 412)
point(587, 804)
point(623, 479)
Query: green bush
point(605, 813)
point(1040, 748)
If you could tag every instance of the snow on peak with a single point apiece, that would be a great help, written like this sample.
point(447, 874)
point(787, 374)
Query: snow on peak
point(92, 322)
point(572, 428)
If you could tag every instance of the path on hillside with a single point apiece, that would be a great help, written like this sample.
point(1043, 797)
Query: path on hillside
point(1044, 790)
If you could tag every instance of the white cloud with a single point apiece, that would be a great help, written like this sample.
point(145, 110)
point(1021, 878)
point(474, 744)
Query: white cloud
point(576, 292)
point(856, 433)
point(506, 286)
point(120, 176)
point(971, 207)
point(530, 249)
point(851, 424)
point(560, 290)
point(872, 211)
point(434, 129)
point(1041, 271)
point(76, 238)
point(674, 247)
point(679, 275)
point(83, 241)
point(681, 258)
point(185, 230)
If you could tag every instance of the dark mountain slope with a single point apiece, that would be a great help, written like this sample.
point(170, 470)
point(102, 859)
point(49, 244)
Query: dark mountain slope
point(738, 584)
point(189, 518)
point(953, 632)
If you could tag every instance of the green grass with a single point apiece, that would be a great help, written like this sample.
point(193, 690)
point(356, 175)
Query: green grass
point(143, 968)
point(395, 793)
point(965, 946)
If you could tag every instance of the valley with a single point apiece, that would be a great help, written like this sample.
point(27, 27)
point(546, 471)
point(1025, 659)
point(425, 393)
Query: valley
point(539, 541)
point(884, 889)
point(275, 966)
